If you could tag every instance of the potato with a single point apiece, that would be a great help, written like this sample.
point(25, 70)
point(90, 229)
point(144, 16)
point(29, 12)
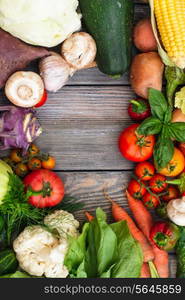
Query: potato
point(143, 37)
point(146, 72)
point(178, 116)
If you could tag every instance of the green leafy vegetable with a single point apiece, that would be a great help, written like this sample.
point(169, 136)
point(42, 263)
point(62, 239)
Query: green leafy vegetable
point(177, 131)
point(5, 170)
point(76, 252)
point(150, 126)
point(158, 104)
point(164, 149)
point(104, 251)
point(127, 247)
point(160, 123)
point(180, 251)
point(17, 274)
point(174, 77)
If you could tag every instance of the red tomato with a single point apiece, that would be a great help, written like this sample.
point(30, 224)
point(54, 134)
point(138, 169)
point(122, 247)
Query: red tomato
point(158, 183)
point(145, 170)
point(136, 189)
point(172, 193)
point(47, 188)
point(43, 99)
point(135, 147)
point(150, 201)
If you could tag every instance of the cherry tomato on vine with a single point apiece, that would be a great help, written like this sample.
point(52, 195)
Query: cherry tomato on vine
point(16, 155)
point(34, 164)
point(33, 150)
point(21, 169)
point(49, 163)
point(171, 193)
point(144, 170)
point(136, 147)
point(136, 189)
point(150, 201)
point(158, 183)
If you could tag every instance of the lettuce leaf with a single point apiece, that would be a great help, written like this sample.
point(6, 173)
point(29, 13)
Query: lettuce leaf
point(104, 251)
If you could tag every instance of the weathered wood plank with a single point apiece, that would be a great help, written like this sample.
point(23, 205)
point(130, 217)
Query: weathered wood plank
point(81, 126)
point(88, 187)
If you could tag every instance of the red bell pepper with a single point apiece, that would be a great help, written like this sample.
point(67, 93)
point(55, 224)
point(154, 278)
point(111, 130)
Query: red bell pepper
point(165, 235)
point(139, 109)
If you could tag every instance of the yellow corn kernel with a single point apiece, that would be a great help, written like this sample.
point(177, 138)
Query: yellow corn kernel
point(170, 17)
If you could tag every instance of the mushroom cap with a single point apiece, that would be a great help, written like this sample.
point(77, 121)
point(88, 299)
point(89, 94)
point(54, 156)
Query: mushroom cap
point(79, 50)
point(176, 211)
point(24, 89)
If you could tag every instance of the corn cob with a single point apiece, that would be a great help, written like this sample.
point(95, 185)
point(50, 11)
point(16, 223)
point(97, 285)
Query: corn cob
point(170, 17)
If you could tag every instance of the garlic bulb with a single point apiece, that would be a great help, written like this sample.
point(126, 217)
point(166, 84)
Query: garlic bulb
point(176, 211)
point(54, 71)
point(24, 89)
point(79, 50)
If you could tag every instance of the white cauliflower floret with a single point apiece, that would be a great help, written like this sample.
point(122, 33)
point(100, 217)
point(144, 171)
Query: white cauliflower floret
point(40, 253)
point(63, 222)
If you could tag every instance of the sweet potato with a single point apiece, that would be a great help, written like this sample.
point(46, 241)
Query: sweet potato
point(15, 55)
point(146, 72)
point(143, 36)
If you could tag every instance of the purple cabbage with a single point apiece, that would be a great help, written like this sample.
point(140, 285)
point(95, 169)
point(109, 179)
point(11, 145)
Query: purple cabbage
point(19, 127)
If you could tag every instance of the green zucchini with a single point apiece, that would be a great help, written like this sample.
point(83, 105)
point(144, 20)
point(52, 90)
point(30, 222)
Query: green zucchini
point(110, 23)
point(8, 262)
point(180, 252)
point(2, 223)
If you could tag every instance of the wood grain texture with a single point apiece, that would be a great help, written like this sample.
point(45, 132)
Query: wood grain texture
point(81, 126)
point(88, 187)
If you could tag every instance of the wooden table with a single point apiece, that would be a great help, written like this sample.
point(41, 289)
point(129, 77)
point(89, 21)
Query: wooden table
point(81, 124)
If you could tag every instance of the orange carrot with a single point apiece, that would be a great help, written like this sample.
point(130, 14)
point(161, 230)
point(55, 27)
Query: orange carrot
point(89, 216)
point(120, 214)
point(141, 214)
point(145, 271)
point(161, 262)
point(145, 223)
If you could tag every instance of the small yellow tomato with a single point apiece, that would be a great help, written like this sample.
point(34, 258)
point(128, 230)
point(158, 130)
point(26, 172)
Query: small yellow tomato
point(175, 166)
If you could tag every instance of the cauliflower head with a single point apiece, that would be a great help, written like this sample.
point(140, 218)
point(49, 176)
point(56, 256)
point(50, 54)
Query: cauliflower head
point(40, 22)
point(63, 222)
point(39, 252)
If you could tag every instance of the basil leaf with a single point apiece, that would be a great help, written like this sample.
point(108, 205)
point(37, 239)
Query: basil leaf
point(177, 131)
point(168, 115)
point(158, 104)
point(164, 149)
point(150, 126)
